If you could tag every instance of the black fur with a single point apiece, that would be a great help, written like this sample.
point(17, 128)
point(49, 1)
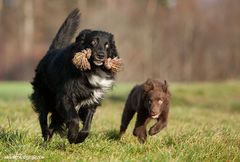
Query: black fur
point(68, 94)
point(66, 31)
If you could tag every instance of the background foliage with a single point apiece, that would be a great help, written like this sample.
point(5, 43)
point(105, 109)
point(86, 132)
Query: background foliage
point(178, 40)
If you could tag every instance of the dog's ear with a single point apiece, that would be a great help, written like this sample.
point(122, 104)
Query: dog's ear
point(112, 49)
point(165, 86)
point(148, 85)
point(167, 92)
point(82, 36)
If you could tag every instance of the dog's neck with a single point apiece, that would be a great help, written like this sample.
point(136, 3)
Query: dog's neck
point(101, 79)
point(100, 82)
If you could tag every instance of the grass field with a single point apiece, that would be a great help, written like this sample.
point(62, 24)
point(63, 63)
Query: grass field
point(204, 125)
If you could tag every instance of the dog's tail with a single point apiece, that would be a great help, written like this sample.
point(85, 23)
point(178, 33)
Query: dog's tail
point(66, 31)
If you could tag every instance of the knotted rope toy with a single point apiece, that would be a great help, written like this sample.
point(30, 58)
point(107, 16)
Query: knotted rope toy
point(80, 60)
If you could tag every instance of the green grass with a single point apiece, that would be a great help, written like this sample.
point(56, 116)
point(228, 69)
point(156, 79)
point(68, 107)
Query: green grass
point(204, 125)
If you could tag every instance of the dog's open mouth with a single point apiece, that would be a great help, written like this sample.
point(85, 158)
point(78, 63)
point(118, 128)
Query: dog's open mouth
point(155, 116)
point(98, 62)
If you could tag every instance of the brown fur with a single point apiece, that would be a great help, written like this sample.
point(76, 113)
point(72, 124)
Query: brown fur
point(150, 100)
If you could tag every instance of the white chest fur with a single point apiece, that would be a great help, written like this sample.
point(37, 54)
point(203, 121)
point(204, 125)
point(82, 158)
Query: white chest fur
point(101, 85)
point(101, 82)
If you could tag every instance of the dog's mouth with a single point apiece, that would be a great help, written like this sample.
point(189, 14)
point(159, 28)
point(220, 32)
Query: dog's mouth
point(98, 62)
point(155, 116)
point(99, 59)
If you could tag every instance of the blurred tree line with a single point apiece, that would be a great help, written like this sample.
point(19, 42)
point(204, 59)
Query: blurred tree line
point(178, 40)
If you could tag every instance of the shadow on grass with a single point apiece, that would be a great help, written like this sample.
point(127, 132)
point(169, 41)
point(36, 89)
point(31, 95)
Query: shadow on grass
point(112, 135)
point(116, 98)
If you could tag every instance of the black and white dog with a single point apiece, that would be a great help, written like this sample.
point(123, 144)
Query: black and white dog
point(69, 94)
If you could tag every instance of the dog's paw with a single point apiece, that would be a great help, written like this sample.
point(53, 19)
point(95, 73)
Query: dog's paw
point(156, 128)
point(82, 135)
point(152, 131)
point(141, 134)
point(51, 131)
point(46, 135)
point(142, 139)
point(121, 133)
point(72, 137)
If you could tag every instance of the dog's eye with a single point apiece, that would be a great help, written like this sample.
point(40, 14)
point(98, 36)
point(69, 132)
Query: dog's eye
point(94, 42)
point(149, 102)
point(106, 45)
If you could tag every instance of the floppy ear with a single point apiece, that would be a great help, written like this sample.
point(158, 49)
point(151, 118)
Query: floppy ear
point(82, 36)
point(148, 85)
point(165, 86)
point(112, 49)
point(168, 94)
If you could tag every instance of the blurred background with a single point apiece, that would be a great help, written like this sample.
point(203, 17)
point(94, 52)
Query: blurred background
point(177, 40)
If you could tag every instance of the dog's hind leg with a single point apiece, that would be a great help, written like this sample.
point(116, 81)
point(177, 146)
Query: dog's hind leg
point(127, 116)
point(44, 125)
point(86, 115)
point(56, 125)
point(40, 106)
point(67, 111)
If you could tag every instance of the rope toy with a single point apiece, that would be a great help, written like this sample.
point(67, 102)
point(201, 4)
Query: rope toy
point(80, 60)
point(115, 64)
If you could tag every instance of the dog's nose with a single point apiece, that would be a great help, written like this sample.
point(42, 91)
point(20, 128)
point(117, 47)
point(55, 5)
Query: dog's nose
point(101, 55)
point(153, 113)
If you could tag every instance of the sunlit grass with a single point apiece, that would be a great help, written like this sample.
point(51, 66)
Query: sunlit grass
point(204, 125)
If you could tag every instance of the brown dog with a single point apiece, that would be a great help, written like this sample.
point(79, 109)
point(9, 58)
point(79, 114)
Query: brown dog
point(151, 101)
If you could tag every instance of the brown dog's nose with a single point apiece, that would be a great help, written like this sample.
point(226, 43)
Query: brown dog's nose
point(153, 113)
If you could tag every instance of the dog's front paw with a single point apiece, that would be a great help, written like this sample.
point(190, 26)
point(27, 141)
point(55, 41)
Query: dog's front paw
point(46, 135)
point(141, 134)
point(72, 137)
point(152, 131)
point(142, 139)
point(82, 135)
point(121, 133)
point(51, 131)
point(156, 128)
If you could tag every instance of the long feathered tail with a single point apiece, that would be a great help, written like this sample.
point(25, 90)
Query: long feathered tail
point(66, 31)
